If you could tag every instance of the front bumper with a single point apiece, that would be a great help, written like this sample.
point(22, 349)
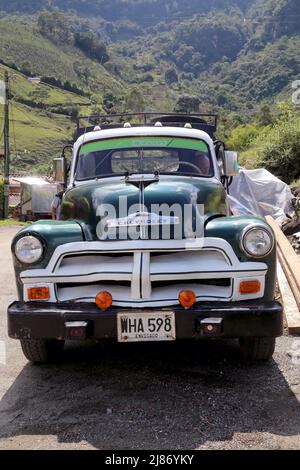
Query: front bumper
point(239, 319)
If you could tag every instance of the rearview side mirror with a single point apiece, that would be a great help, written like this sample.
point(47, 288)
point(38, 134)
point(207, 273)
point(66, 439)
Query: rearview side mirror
point(231, 163)
point(60, 170)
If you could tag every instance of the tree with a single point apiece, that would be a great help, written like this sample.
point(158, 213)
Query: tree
point(242, 137)
point(279, 146)
point(171, 76)
point(91, 46)
point(111, 103)
point(265, 116)
point(54, 25)
point(134, 100)
point(187, 104)
point(214, 36)
point(74, 113)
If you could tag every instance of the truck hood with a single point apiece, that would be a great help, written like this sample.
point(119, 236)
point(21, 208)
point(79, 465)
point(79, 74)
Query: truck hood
point(196, 197)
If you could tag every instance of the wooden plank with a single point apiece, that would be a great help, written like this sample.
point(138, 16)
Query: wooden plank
point(291, 258)
point(290, 306)
point(289, 277)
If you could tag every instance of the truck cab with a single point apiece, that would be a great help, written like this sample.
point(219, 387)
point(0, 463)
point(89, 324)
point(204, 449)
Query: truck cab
point(146, 248)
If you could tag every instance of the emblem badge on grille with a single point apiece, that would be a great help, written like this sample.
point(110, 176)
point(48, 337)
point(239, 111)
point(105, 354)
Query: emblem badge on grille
point(142, 219)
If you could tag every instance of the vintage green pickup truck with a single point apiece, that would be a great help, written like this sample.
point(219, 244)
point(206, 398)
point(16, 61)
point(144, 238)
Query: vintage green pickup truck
point(146, 248)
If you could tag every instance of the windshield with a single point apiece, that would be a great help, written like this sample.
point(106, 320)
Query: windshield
point(140, 155)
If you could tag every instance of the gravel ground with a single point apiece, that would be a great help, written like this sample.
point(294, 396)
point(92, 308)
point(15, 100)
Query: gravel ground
point(162, 396)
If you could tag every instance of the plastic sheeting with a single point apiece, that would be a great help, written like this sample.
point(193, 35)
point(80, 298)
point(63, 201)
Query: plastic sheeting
point(260, 193)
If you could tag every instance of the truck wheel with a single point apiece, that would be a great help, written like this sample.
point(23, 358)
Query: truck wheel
point(42, 350)
point(257, 349)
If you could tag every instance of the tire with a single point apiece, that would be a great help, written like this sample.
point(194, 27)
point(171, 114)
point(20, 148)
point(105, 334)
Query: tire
point(41, 351)
point(257, 349)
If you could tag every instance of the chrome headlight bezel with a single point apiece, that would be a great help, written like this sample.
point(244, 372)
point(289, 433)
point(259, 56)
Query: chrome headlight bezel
point(37, 244)
point(249, 229)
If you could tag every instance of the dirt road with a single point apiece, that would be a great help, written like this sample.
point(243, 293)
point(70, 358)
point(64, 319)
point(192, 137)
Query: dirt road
point(199, 396)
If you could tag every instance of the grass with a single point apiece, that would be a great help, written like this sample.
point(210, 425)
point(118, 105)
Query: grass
point(12, 222)
point(42, 93)
point(22, 44)
point(37, 135)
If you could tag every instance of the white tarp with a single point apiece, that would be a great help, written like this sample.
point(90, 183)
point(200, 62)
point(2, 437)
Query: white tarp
point(260, 193)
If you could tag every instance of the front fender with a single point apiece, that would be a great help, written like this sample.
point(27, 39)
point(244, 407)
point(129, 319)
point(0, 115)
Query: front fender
point(53, 234)
point(230, 229)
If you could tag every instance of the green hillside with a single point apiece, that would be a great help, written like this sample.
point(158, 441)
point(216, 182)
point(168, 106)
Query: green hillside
point(23, 45)
point(226, 56)
point(34, 138)
point(36, 133)
point(41, 113)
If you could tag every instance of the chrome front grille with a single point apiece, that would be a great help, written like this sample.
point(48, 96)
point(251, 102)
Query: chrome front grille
point(145, 273)
point(144, 276)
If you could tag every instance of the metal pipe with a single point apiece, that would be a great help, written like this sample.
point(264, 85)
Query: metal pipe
point(6, 147)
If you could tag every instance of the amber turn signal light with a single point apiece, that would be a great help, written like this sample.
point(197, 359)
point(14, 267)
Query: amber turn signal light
point(187, 298)
point(103, 300)
point(250, 287)
point(38, 293)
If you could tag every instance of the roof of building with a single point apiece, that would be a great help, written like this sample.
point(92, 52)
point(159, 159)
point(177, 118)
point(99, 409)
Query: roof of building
point(30, 180)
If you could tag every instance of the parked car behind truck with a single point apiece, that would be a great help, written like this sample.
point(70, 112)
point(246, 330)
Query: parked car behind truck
point(147, 248)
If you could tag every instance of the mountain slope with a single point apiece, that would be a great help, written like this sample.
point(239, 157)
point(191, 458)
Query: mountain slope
point(37, 134)
point(23, 45)
point(227, 56)
point(142, 11)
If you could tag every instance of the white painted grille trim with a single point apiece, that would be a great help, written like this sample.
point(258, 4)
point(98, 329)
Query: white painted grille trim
point(209, 258)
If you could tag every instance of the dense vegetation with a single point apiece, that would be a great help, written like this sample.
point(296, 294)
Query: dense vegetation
point(271, 142)
point(230, 53)
point(142, 11)
point(55, 26)
point(235, 57)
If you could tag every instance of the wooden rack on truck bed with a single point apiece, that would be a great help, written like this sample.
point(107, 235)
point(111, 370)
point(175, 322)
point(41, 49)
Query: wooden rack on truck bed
point(288, 275)
point(204, 122)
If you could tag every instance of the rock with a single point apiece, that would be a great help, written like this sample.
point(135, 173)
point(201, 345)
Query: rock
point(292, 226)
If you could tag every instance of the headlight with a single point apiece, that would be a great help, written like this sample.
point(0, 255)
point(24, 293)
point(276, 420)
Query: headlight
point(257, 241)
point(28, 249)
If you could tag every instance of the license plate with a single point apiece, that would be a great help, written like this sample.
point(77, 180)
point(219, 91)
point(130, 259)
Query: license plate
point(146, 326)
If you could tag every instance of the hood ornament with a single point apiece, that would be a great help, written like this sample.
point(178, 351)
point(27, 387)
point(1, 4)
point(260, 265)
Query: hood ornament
point(141, 181)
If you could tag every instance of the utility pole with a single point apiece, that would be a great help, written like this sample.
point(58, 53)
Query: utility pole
point(6, 146)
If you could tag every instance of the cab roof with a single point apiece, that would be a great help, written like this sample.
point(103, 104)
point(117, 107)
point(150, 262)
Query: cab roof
point(143, 132)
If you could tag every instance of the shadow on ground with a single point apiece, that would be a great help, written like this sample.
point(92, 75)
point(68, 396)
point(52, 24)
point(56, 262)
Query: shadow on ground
point(149, 396)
